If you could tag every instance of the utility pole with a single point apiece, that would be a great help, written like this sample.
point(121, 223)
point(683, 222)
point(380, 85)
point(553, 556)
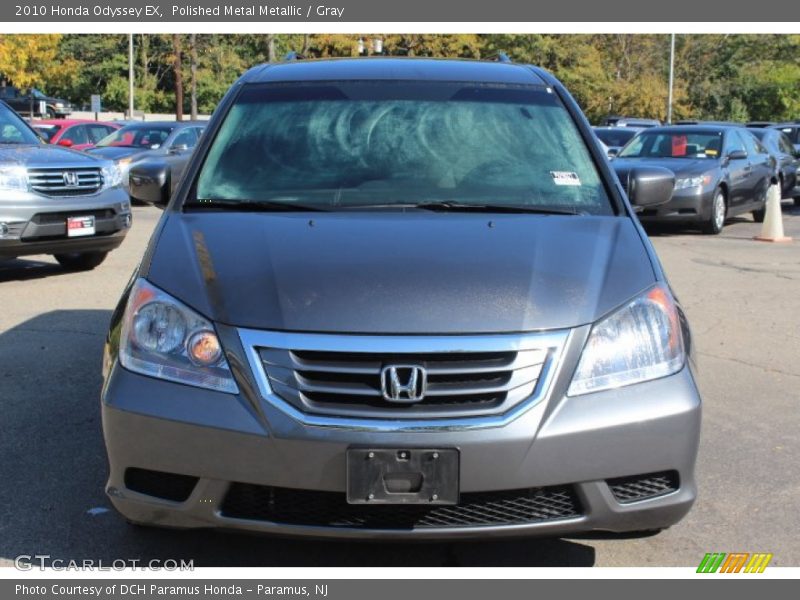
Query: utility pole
point(193, 57)
point(671, 77)
point(176, 44)
point(130, 76)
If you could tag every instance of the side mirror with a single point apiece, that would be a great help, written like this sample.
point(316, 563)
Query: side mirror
point(65, 143)
point(737, 155)
point(149, 183)
point(178, 149)
point(647, 186)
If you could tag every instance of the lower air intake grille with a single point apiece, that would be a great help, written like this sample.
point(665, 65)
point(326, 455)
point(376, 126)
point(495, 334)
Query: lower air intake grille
point(330, 509)
point(642, 487)
point(169, 486)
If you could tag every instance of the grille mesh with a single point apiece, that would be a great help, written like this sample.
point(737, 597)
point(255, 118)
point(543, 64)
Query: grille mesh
point(642, 487)
point(169, 486)
point(330, 509)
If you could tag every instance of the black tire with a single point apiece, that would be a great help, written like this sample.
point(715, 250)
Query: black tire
point(758, 215)
point(81, 261)
point(797, 201)
point(716, 220)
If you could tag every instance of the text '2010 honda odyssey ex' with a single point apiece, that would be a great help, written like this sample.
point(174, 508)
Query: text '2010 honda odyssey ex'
point(400, 298)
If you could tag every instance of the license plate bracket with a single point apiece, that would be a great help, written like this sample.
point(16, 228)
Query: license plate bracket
point(402, 476)
point(80, 226)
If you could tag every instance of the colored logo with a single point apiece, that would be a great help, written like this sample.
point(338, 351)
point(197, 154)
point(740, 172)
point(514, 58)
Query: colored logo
point(735, 562)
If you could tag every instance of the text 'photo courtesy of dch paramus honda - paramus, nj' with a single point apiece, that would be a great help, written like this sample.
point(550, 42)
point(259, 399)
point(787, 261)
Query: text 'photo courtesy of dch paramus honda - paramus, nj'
point(401, 299)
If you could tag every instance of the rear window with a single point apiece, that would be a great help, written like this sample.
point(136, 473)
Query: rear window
point(356, 144)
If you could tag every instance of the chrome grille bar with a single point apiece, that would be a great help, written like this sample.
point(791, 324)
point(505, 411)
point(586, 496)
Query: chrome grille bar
point(53, 182)
point(325, 379)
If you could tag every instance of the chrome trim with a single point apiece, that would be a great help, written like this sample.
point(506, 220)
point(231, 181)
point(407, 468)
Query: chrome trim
point(553, 341)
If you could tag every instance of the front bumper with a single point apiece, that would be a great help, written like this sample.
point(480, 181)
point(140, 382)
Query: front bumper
point(691, 205)
point(35, 224)
point(228, 440)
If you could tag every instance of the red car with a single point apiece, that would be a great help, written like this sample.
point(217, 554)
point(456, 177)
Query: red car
point(79, 134)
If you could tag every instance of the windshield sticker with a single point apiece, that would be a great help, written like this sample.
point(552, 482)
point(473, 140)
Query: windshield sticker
point(565, 178)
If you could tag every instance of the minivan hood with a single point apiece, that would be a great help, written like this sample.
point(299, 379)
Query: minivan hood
point(44, 155)
point(400, 273)
point(680, 166)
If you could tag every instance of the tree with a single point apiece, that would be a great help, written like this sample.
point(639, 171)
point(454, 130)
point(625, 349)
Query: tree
point(193, 59)
point(28, 61)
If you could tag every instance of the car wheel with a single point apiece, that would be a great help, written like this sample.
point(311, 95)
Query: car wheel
point(758, 215)
point(81, 261)
point(797, 201)
point(716, 219)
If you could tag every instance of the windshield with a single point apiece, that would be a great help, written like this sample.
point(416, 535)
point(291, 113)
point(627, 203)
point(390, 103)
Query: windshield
point(384, 143)
point(615, 138)
point(138, 136)
point(674, 144)
point(13, 129)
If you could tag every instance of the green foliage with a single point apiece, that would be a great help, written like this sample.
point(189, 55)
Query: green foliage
point(726, 77)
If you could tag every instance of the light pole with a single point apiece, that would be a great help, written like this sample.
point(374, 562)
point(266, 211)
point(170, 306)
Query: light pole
point(130, 76)
point(671, 77)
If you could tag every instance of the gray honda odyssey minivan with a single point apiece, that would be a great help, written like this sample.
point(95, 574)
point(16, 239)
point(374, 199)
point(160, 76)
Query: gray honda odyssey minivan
point(400, 298)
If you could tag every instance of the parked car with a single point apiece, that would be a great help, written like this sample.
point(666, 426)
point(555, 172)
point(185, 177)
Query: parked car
point(170, 142)
point(720, 171)
point(787, 160)
point(54, 200)
point(759, 124)
point(341, 331)
point(615, 137)
point(35, 102)
point(77, 134)
point(792, 131)
point(631, 122)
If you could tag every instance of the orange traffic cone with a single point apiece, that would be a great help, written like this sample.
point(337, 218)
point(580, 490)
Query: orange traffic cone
point(772, 229)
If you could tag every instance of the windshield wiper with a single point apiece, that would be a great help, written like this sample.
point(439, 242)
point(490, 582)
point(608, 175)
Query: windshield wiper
point(250, 206)
point(495, 208)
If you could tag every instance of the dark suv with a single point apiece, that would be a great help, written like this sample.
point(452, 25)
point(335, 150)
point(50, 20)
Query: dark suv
point(400, 298)
point(35, 103)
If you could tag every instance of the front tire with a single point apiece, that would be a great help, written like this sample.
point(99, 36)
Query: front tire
point(81, 261)
point(719, 209)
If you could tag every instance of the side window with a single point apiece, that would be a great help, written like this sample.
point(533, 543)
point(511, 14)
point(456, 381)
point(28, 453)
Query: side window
point(784, 144)
point(198, 131)
point(98, 132)
point(187, 137)
point(76, 135)
point(791, 133)
point(733, 142)
point(752, 145)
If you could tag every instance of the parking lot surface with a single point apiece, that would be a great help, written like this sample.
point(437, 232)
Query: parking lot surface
point(743, 301)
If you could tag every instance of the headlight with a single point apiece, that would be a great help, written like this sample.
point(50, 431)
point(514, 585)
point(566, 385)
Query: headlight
point(112, 177)
point(638, 342)
point(163, 338)
point(14, 179)
point(59, 105)
point(685, 183)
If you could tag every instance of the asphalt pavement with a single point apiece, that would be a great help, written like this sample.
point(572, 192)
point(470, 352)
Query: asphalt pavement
point(743, 301)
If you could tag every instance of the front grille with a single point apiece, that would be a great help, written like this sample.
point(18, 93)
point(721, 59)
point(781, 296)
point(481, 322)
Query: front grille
point(169, 486)
point(349, 383)
point(59, 218)
point(642, 487)
point(65, 182)
point(330, 509)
